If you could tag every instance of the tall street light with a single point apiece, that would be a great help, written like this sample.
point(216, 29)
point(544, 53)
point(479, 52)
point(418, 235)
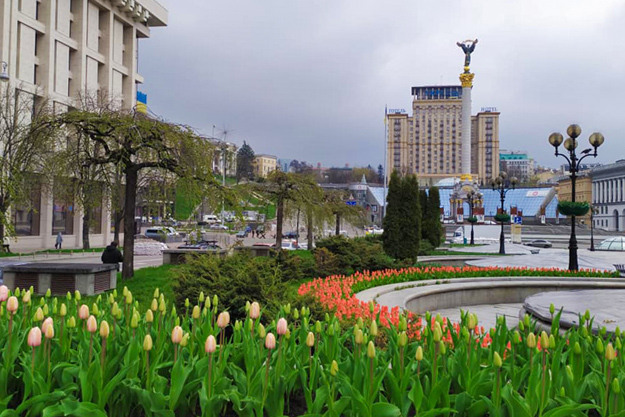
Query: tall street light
point(473, 198)
point(499, 184)
point(570, 144)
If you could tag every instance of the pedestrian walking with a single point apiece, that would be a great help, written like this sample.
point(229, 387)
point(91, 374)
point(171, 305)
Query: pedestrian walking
point(59, 241)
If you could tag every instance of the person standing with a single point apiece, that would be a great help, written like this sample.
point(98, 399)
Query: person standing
point(112, 255)
point(59, 241)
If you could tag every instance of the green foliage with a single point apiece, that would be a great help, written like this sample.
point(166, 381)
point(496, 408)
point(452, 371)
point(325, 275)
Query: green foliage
point(403, 217)
point(502, 217)
point(245, 161)
point(185, 203)
point(234, 279)
point(570, 208)
point(340, 255)
point(432, 228)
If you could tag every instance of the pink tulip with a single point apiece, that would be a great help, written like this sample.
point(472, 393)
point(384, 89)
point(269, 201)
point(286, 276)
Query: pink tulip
point(92, 324)
point(46, 323)
point(83, 312)
point(223, 319)
point(176, 335)
point(12, 304)
point(211, 344)
point(281, 328)
point(254, 310)
point(34, 337)
point(270, 341)
point(4, 293)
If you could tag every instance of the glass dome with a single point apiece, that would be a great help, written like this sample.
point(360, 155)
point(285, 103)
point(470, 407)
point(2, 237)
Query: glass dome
point(613, 243)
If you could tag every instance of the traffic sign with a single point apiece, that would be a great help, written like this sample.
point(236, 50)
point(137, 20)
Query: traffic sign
point(518, 220)
point(350, 203)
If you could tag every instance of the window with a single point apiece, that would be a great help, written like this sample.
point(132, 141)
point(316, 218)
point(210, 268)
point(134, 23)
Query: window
point(26, 216)
point(62, 217)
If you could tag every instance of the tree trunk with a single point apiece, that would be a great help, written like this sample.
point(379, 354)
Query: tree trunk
point(129, 223)
point(3, 208)
point(279, 217)
point(116, 223)
point(86, 219)
point(338, 224)
point(309, 228)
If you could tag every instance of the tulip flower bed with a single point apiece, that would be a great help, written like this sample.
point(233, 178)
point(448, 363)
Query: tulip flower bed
point(337, 293)
point(119, 358)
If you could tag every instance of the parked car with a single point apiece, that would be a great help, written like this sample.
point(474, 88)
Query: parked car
point(161, 233)
point(489, 222)
point(289, 245)
point(241, 234)
point(218, 226)
point(290, 235)
point(539, 243)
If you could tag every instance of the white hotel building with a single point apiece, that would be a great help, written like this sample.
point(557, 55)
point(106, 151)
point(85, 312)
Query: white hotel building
point(608, 194)
point(60, 49)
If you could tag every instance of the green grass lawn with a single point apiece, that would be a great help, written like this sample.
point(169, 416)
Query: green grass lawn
point(51, 251)
point(146, 280)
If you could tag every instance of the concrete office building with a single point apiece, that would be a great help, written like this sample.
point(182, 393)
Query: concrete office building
point(516, 164)
point(429, 142)
point(60, 50)
point(608, 195)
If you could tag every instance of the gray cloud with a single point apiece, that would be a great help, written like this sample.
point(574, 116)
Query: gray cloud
point(309, 80)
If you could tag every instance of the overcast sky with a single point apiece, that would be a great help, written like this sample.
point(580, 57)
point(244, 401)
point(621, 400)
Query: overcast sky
point(309, 80)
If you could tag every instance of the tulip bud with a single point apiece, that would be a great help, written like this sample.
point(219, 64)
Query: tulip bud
point(531, 341)
point(196, 312)
point(318, 327)
point(42, 302)
point(49, 333)
point(465, 334)
point(261, 331)
point(526, 320)
point(173, 311)
point(287, 309)
point(296, 314)
point(371, 307)
point(587, 315)
point(254, 310)
point(371, 350)
point(134, 321)
point(516, 337)
point(154, 305)
point(618, 344)
point(287, 335)
point(71, 323)
point(552, 342)
point(48, 293)
point(94, 309)
point(77, 295)
point(39, 314)
point(63, 311)
point(403, 324)
point(437, 334)
point(187, 303)
point(92, 324)
point(521, 326)
point(552, 309)
point(129, 298)
point(282, 326)
point(176, 335)
point(185, 339)
point(162, 307)
point(124, 291)
point(428, 317)
point(237, 325)
point(211, 343)
point(104, 329)
point(326, 318)
point(207, 303)
point(360, 323)
point(610, 353)
point(46, 311)
point(12, 304)
point(26, 297)
point(147, 343)
point(215, 301)
point(4, 293)
point(330, 330)
point(34, 337)
point(617, 331)
point(599, 346)
point(270, 341)
point(200, 298)
point(616, 387)
point(310, 339)
point(419, 354)
point(544, 340)
point(577, 349)
point(334, 368)
point(402, 339)
point(497, 360)
point(358, 337)
point(373, 331)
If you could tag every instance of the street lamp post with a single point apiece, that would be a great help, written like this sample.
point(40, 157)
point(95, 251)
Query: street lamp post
point(473, 198)
point(570, 144)
point(593, 211)
point(499, 184)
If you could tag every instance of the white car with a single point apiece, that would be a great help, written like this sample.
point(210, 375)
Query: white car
point(289, 245)
point(218, 226)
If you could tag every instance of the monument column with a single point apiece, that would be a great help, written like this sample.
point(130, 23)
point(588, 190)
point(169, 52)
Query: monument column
point(466, 79)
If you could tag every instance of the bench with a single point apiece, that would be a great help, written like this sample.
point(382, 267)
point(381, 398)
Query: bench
point(620, 268)
point(61, 278)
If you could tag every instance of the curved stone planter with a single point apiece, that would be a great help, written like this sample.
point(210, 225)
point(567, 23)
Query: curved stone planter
point(431, 295)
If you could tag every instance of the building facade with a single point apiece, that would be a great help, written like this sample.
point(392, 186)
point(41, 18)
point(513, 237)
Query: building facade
point(516, 164)
point(224, 157)
point(485, 145)
point(428, 143)
point(583, 192)
point(264, 165)
point(608, 190)
point(63, 51)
